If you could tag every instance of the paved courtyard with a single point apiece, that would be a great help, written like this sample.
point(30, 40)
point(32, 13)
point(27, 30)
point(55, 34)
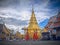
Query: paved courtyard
point(29, 42)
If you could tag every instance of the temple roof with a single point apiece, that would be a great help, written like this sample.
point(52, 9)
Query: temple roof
point(45, 30)
point(54, 21)
point(4, 29)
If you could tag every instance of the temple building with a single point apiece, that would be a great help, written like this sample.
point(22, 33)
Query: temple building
point(4, 31)
point(53, 26)
point(33, 31)
point(56, 26)
point(45, 34)
point(18, 35)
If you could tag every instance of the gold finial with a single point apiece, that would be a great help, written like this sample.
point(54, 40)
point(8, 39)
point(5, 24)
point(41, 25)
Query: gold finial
point(32, 8)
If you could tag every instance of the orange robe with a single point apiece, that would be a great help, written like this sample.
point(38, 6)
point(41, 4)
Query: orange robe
point(35, 36)
point(27, 37)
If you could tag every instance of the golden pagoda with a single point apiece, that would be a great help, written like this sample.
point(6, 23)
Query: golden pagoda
point(33, 27)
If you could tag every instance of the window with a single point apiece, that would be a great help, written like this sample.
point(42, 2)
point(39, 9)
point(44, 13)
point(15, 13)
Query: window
point(54, 31)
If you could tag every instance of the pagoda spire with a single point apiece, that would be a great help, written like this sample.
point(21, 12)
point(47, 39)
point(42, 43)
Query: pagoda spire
point(33, 18)
point(33, 22)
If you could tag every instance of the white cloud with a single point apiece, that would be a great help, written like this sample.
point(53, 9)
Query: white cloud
point(22, 14)
point(25, 15)
point(41, 16)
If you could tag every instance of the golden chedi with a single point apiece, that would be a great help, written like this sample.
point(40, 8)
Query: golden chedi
point(33, 27)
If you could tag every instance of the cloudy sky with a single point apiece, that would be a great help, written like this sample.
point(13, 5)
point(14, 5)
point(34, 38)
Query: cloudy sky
point(16, 13)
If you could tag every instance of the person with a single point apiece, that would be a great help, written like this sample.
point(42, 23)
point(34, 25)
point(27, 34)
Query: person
point(27, 36)
point(35, 36)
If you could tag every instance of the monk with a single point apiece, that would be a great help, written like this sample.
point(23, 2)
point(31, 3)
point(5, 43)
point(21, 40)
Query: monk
point(35, 36)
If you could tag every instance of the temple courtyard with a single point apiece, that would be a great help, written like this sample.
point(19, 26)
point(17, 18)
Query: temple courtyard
point(29, 42)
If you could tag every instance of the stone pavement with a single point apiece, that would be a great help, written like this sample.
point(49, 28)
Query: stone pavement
point(29, 42)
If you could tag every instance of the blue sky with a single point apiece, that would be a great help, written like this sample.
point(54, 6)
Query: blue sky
point(43, 23)
point(16, 13)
